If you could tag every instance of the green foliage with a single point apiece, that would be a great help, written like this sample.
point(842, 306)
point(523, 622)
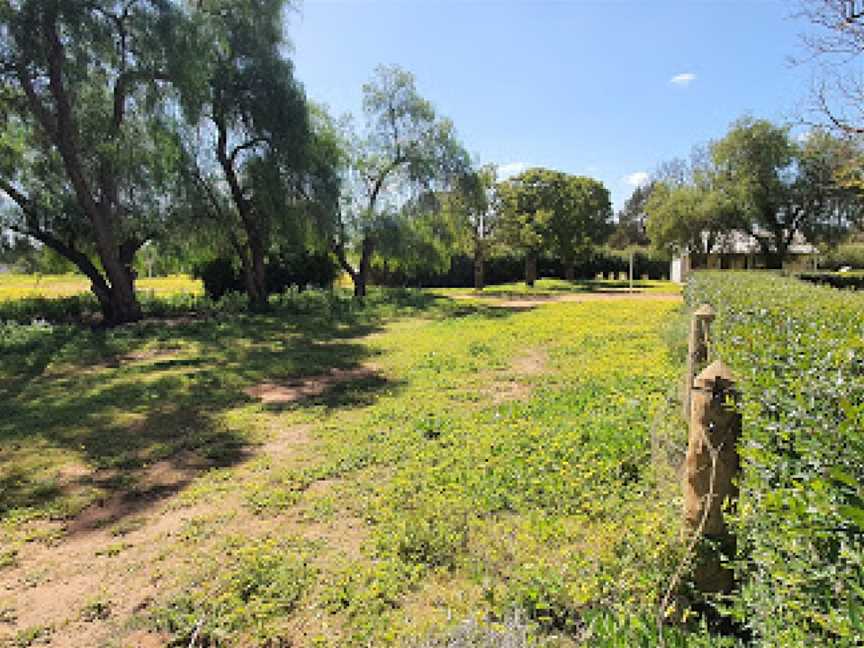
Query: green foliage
point(246, 594)
point(850, 254)
point(406, 149)
point(90, 159)
point(630, 228)
point(797, 352)
point(759, 181)
point(550, 210)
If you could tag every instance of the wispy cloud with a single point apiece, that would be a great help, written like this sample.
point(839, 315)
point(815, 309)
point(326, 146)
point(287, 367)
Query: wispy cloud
point(684, 79)
point(637, 179)
point(511, 169)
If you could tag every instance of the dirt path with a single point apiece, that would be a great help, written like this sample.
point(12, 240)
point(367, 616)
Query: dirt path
point(119, 557)
point(532, 301)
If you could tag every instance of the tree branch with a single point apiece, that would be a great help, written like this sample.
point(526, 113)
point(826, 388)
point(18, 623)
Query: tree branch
point(245, 146)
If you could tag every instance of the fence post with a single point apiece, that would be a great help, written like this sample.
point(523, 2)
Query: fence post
point(697, 349)
point(710, 469)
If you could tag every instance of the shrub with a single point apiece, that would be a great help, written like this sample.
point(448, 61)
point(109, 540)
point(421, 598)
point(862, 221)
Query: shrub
point(835, 279)
point(220, 277)
point(284, 270)
point(798, 352)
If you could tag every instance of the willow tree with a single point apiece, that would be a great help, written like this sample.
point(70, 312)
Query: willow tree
point(405, 150)
point(256, 164)
point(88, 150)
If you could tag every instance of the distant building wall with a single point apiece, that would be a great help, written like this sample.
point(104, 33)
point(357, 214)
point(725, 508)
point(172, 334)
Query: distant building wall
point(683, 265)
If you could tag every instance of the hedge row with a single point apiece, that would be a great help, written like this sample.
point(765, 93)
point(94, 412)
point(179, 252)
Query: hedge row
point(798, 353)
point(501, 269)
point(852, 281)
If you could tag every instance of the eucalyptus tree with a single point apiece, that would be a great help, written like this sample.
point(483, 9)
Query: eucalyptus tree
point(257, 167)
point(473, 204)
point(405, 150)
point(88, 147)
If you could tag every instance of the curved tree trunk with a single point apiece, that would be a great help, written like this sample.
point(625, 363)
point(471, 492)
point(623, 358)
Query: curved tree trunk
point(530, 269)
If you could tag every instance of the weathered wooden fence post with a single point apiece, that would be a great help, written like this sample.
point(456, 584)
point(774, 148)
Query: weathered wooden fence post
point(709, 473)
point(697, 349)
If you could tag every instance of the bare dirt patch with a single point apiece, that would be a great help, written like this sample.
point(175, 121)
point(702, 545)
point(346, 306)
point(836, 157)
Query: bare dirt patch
point(163, 478)
point(310, 387)
point(503, 390)
point(286, 440)
point(531, 364)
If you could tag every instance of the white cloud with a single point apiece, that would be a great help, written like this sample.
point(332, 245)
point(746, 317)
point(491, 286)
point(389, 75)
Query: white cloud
point(637, 179)
point(683, 79)
point(511, 169)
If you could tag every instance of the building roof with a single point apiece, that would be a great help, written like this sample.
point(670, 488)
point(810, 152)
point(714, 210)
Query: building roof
point(739, 242)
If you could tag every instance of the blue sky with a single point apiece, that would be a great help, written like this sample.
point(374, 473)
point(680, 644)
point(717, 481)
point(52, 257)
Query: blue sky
point(607, 89)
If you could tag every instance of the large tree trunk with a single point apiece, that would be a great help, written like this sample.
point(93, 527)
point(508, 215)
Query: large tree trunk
point(117, 300)
point(361, 278)
point(259, 295)
point(530, 270)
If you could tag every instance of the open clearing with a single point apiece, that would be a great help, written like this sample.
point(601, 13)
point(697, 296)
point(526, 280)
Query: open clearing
point(329, 475)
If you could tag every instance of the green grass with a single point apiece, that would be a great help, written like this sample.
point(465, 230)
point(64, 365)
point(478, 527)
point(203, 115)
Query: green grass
point(488, 460)
point(554, 287)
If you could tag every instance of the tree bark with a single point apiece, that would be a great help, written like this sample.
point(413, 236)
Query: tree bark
point(120, 305)
point(255, 269)
point(479, 269)
point(530, 270)
point(361, 278)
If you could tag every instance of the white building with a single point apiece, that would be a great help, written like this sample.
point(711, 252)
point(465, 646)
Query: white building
point(740, 251)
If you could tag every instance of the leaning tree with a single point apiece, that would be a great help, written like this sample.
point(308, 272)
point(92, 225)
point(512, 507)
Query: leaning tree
point(88, 146)
point(257, 164)
point(405, 150)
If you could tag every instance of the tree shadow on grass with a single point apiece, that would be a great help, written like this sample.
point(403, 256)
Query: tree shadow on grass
point(136, 413)
point(141, 430)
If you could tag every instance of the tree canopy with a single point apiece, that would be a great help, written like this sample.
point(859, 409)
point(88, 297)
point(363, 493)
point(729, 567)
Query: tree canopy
point(405, 149)
point(760, 181)
point(544, 210)
point(88, 144)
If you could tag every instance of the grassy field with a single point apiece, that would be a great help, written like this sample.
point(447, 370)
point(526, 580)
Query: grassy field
point(20, 286)
point(337, 475)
